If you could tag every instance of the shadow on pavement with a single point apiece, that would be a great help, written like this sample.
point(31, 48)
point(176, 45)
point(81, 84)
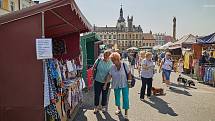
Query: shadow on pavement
point(107, 117)
point(182, 86)
point(184, 92)
point(88, 104)
point(161, 106)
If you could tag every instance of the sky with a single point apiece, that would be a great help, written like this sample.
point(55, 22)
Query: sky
point(195, 17)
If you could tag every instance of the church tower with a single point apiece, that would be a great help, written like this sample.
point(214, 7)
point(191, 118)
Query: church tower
point(130, 23)
point(174, 28)
point(121, 21)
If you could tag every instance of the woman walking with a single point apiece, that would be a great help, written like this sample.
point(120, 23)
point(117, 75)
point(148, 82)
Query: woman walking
point(166, 66)
point(102, 67)
point(147, 75)
point(141, 57)
point(120, 74)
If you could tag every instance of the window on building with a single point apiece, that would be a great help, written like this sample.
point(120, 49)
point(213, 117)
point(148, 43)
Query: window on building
point(150, 44)
point(114, 36)
point(129, 36)
point(144, 44)
point(147, 44)
point(105, 36)
point(101, 36)
point(110, 37)
point(136, 43)
point(153, 44)
point(133, 43)
point(125, 36)
point(133, 36)
point(136, 36)
point(12, 6)
point(126, 42)
point(122, 36)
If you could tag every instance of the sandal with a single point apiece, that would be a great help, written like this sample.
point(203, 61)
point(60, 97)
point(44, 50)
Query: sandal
point(96, 110)
point(118, 112)
point(126, 118)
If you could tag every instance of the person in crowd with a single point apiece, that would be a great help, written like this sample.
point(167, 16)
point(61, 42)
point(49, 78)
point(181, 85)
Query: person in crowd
point(120, 75)
point(136, 59)
point(141, 57)
point(132, 63)
point(180, 66)
point(156, 58)
point(166, 66)
point(102, 68)
point(161, 56)
point(211, 58)
point(147, 75)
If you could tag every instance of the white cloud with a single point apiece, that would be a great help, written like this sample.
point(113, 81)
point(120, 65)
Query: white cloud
point(208, 6)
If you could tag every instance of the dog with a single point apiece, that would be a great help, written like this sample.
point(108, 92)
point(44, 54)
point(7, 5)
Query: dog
point(157, 91)
point(190, 82)
point(185, 81)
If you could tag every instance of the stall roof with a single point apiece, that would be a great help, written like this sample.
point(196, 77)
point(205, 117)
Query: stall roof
point(210, 39)
point(187, 39)
point(90, 37)
point(58, 15)
point(166, 46)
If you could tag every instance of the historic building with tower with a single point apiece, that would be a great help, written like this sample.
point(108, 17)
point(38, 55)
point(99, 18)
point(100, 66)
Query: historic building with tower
point(125, 34)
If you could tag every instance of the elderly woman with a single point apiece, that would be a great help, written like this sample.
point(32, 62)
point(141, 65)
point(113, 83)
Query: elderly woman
point(102, 67)
point(119, 82)
point(166, 66)
point(141, 57)
point(147, 75)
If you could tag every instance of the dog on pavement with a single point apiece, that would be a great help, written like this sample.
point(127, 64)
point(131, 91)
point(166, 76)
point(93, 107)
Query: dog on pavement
point(185, 81)
point(157, 91)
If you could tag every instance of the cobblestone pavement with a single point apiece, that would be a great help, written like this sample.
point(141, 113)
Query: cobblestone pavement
point(179, 104)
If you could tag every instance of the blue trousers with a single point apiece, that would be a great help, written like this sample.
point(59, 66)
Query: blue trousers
point(125, 96)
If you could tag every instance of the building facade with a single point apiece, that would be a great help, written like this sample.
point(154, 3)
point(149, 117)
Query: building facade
point(123, 35)
point(148, 41)
point(7, 6)
point(159, 38)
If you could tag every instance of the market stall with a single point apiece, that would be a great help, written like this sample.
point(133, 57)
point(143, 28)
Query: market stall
point(90, 48)
point(206, 68)
point(48, 89)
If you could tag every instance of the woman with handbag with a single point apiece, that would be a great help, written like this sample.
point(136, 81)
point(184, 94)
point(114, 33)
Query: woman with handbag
point(101, 69)
point(120, 74)
point(147, 75)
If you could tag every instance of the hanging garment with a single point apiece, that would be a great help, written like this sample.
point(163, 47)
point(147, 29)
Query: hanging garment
point(51, 110)
point(46, 87)
point(186, 61)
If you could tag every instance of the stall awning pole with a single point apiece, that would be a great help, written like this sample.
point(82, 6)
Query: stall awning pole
point(43, 26)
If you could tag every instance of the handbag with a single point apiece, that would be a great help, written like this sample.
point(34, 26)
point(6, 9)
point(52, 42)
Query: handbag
point(133, 81)
point(95, 69)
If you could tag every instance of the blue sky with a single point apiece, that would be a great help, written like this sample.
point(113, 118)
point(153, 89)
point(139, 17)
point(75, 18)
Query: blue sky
point(193, 16)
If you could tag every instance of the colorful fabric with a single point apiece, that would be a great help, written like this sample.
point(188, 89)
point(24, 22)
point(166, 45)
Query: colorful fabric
point(125, 96)
point(187, 61)
point(51, 110)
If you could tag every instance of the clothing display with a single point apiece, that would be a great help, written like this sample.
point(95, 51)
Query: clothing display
point(62, 89)
point(186, 61)
point(209, 76)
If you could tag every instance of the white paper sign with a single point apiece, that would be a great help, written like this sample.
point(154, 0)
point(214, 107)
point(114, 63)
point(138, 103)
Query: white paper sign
point(44, 48)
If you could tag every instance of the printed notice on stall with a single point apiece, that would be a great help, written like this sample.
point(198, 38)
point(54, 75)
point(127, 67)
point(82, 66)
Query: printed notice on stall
point(44, 48)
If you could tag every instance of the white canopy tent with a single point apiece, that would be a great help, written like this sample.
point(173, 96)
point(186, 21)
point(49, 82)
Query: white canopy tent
point(166, 46)
point(156, 47)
